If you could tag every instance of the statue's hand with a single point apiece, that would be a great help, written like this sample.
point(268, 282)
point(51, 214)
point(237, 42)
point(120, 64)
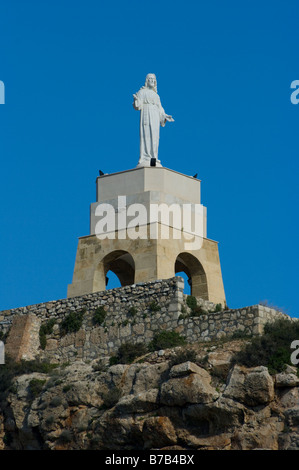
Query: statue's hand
point(169, 118)
point(135, 97)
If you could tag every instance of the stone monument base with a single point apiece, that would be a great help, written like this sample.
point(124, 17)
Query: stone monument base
point(135, 260)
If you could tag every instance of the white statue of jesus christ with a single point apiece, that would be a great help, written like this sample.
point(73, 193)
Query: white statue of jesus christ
point(152, 115)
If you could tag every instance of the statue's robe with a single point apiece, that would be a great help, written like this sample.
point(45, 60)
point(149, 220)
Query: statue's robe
point(152, 116)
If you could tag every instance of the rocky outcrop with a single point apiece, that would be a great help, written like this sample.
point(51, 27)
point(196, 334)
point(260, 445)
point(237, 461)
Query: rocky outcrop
point(252, 387)
point(158, 402)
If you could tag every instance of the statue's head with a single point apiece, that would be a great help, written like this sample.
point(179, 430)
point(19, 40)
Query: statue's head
point(151, 81)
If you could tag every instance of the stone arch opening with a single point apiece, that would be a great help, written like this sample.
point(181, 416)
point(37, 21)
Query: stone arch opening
point(120, 263)
point(111, 280)
point(197, 279)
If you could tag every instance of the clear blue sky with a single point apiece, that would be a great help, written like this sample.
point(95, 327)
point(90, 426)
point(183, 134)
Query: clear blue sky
point(224, 71)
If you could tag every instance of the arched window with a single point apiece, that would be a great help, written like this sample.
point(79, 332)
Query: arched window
point(196, 277)
point(121, 264)
point(112, 281)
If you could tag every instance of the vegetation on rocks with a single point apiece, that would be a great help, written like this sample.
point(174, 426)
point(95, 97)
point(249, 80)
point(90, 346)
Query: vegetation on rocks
point(237, 394)
point(154, 307)
point(99, 316)
point(72, 322)
point(36, 386)
point(195, 310)
point(127, 352)
point(272, 348)
point(183, 355)
point(12, 369)
point(166, 339)
point(46, 328)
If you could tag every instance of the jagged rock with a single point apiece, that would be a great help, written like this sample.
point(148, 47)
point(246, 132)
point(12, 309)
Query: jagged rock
point(21, 397)
point(252, 386)
point(286, 380)
point(289, 397)
point(158, 432)
point(116, 432)
point(220, 359)
point(214, 418)
point(152, 405)
point(141, 402)
point(134, 378)
point(194, 388)
point(251, 437)
point(187, 368)
point(149, 376)
point(292, 416)
point(290, 369)
point(216, 442)
point(116, 373)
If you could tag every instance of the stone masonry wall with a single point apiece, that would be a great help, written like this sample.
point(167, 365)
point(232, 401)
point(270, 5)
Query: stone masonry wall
point(133, 314)
point(24, 341)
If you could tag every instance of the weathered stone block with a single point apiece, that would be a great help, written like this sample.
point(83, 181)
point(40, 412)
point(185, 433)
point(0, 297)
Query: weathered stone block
point(23, 339)
point(187, 368)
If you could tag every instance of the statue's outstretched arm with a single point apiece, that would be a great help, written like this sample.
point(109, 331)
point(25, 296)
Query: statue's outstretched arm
point(165, 117)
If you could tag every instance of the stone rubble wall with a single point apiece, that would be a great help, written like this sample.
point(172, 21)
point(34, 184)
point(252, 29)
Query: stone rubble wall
point(121, 326)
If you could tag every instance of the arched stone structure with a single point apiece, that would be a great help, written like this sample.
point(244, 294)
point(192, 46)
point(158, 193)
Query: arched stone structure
point(138, 259)
point(121, 263)
point(191, 266)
